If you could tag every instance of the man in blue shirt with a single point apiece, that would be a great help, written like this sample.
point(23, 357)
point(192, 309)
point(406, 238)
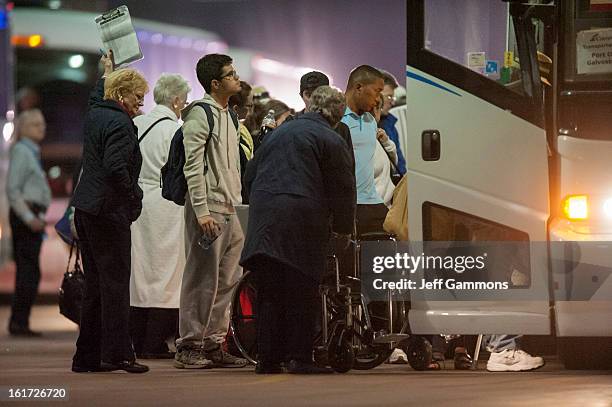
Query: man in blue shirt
point(29, 197)
point(362, 93)
point(387, 120)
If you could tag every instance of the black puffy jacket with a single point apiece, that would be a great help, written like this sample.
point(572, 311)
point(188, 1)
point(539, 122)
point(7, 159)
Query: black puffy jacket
point(111, 162)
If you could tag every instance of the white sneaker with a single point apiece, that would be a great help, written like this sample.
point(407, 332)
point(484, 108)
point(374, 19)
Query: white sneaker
point(513, 361)
point(398, 357)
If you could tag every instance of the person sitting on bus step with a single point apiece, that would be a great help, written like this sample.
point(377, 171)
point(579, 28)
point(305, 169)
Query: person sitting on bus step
point(158, 255)
point(29, 197)
point(507, 357)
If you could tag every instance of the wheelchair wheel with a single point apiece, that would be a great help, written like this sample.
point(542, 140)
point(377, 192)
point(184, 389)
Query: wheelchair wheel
point(244, 317)
point(368, 355)
point(340, 356)
point(418, 350)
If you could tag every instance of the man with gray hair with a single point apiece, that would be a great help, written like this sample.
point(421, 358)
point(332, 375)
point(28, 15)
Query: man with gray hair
point(301, 182)
point(29, 197)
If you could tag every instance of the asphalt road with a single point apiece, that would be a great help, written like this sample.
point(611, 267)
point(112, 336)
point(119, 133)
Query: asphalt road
point(45, 362)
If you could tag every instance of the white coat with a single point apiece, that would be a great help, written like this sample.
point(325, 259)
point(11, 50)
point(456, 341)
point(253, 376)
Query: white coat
point(158, 249)
point(382, 170)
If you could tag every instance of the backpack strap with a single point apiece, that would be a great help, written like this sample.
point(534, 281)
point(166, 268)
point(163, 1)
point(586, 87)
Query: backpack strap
point(211, 126)
point(234, 118)
point(150, 127)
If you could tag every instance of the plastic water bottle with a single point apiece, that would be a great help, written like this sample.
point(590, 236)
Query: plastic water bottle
point(268, 123)
point(205, 241)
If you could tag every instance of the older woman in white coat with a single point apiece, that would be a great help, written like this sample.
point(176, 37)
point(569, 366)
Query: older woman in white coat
point(158, 255)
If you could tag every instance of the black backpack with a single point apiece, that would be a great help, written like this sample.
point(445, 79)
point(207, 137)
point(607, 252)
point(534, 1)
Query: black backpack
point(172, 180)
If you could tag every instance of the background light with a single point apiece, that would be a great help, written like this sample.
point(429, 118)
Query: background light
point(7, 131)
point(608, 208)
point(576, 207)
point(76, 61)
point(34, 40)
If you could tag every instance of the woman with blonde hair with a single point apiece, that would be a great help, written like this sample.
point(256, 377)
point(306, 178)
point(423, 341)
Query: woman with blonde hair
point(106, 201)
point(158, 254)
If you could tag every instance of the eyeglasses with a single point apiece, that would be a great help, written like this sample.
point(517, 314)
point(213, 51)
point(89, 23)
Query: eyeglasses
point(390, 98)
point(139, 99)
point(231, 74)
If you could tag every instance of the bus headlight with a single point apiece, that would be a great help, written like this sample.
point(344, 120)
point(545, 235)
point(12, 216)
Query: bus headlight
point(576, 207)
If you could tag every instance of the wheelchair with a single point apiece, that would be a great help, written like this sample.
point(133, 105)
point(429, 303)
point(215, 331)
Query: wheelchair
point(347, 338)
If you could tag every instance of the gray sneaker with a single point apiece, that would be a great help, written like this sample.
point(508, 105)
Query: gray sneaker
point(190, 358)
point(220, 358)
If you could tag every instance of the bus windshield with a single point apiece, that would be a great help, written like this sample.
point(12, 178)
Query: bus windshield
point(588, 36)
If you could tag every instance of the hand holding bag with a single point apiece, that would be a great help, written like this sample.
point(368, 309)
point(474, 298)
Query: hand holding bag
point(72, 291)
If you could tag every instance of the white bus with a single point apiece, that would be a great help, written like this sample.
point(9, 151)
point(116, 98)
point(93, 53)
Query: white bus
point(508, 143)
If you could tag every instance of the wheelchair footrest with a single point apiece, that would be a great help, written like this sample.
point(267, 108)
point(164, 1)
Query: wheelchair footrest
point(388, 338)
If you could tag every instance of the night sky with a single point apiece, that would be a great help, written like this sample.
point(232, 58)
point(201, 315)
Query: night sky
point(331, 35)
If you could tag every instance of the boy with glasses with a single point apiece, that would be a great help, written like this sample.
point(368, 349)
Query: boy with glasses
point(214, 188)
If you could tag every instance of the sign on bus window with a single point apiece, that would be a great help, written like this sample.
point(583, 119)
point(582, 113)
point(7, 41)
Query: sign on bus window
point(594, 51)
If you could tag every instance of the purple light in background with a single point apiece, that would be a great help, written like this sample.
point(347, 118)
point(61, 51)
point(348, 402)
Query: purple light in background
point(143, 36)
point(186, 42)
point(200, 45)
point(216, 47)
point(157, 38)
point(172, 41)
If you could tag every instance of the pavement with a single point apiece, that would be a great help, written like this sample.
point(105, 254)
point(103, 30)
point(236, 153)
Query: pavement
point(45, 362)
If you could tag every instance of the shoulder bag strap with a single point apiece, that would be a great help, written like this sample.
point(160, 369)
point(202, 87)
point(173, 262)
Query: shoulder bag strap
point(150, 127)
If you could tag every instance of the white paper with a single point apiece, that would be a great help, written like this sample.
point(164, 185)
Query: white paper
point(594, 51)
point(117, 33)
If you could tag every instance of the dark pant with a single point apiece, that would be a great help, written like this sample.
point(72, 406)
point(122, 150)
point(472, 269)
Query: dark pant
point(370, 218)
point(26, 251)
point(105, 249)
point(287, 307)
point(151, 327)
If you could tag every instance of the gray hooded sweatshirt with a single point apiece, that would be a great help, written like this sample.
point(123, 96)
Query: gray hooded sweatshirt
point(219, 189)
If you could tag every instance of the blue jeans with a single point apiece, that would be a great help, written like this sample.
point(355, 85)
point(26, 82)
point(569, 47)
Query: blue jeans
point(498, 343)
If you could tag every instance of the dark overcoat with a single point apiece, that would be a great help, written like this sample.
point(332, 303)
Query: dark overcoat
point(301, 182)
point(111, 163)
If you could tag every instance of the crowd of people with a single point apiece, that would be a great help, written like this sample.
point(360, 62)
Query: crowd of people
point(312, 179)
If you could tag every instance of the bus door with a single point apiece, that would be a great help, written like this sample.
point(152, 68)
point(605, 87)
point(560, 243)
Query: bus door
point(477, 158)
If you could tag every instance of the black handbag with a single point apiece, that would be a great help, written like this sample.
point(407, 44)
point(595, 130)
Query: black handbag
point(72, 291)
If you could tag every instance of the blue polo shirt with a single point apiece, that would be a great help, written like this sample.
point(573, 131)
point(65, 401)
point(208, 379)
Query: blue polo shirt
point(363, 135)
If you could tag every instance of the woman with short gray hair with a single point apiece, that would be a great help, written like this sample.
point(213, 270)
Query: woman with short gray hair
point(301, 185)
point(329, 102)
point(158, 256)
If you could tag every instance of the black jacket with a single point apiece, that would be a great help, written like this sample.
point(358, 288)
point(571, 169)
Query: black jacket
point(111, 162)
point(300, 179)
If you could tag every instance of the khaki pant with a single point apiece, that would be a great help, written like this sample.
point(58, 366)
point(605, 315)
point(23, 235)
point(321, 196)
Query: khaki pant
point(209, 279)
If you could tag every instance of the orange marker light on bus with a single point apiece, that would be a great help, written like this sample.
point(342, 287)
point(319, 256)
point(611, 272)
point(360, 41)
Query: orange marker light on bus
point(34, 40)
point(576, 207)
